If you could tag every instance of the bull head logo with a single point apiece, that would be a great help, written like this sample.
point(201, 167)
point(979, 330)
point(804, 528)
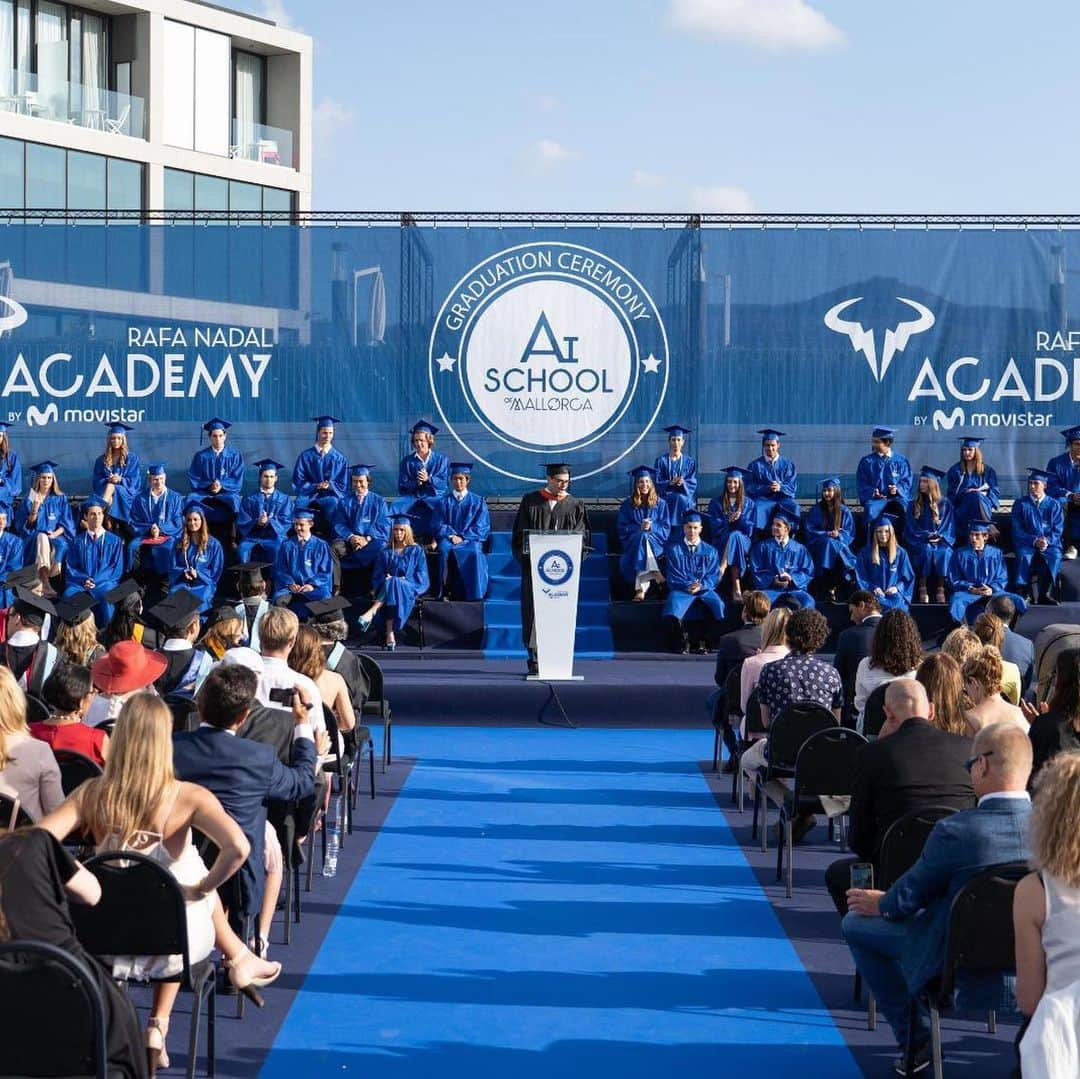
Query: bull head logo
point(895, 341)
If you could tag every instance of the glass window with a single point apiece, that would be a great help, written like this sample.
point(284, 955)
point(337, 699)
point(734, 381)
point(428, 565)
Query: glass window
point(7, 50)
point(244, 197)
point(11, 174)
point(51, 99)
point(179, 190)
point(85, 181)
point(277, 201)
point(125, 187)
point(46, 184)
point(212, 195)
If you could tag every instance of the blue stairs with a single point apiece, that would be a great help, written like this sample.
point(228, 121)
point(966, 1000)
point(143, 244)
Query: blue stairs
point(502, 608)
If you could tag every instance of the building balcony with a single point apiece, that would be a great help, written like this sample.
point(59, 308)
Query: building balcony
point(72, 103)
point(262, 143)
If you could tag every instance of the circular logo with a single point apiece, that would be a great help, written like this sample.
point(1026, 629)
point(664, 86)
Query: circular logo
point(555, 568)
point(550, 349)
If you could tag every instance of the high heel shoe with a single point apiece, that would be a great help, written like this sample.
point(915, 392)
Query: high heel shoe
point(389, 646)
point(240, 972)
point(156, 1056)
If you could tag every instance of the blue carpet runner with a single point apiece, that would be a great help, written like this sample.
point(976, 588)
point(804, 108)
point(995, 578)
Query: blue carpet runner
point(564, 903)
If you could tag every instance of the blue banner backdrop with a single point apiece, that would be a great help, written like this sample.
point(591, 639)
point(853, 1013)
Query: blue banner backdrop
point(532, 345)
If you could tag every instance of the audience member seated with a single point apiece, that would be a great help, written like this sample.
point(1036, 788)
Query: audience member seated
point(940, 676)
point(914, 763)
point(307, 658)
point(977, 573)
point(1015, 648)
point(731, 527)
point(961, 643)
point(1046, 917)
point(277, 637)
point(990, 630)
point(29, 658)
point(853, 644)
point(253, 603)
point(643, 526)
point(895, 652)
point(126, 669)
point(125, 624)
point(137, 804)
point(897, 938)
point(328, 621)
point(95, 560)
point(774, 646)
point(28, 769)
point(982, 684)
point(692, 567)
point(224, 630)
point(68, 693)
point(1055, 724)
point(76, 635)
point(460, 526)
point(185, 665)
point(741, 643)
point(883, 567)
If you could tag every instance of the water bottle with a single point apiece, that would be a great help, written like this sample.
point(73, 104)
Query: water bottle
point(333, 842)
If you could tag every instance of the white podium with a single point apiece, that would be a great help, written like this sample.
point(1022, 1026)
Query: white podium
point(555, 564)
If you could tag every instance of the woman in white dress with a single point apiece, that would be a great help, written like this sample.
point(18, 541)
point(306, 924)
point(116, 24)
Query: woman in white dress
point(1046, 917)
point(138, 805)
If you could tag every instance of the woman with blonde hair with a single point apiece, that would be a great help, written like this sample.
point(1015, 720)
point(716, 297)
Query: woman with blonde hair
point(991, 630)
point(961, 643)
point(76, 634)
point(940, 675)
point(930, 534)
point(643, 526)
point(225, 629)
point(44, 518)
point(774, 645)
point(399, 576)
point(883, 567)
point(138, 805)
point(1046, 920)
point(197, 559)
point(117, 478)
point(28, 769)
point(982, 683)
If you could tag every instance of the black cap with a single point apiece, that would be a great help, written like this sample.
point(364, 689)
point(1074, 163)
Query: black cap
point(176, 610)
point(327, 610)
point(122, 591)
point(221, 614)
point(73, 609)
point(27, 599)
point(248, 573)
point(27, 577)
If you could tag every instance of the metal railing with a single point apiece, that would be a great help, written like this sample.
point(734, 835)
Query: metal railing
point(72, 103)
point(262, 143)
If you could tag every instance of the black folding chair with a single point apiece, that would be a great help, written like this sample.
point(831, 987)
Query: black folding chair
point(377, 705)
point(141, 912)
point(37, 711)
point(184, 712)
point(75, 769)
point(12, 815)
point(755, 731)
point(726, 710)
point(36, 980)
point(825, 765)
point(980, 939)
point(873, 717)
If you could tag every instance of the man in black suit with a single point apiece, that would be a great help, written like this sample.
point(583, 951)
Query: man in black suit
point(853, 645)
point(912, 764)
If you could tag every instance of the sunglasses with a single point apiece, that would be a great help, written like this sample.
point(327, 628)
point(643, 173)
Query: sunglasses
point(970, 762)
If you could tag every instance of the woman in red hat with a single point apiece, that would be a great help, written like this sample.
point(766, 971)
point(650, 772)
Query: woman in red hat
point(123, 671)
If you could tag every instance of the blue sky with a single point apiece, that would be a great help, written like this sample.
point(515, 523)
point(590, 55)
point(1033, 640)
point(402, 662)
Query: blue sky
point(768, 105)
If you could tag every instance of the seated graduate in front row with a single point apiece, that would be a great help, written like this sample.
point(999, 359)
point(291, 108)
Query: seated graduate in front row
point(731, 516)
point(773, 482)
point(265, 516)
point(1038, 525)
point(830, 531)
point(400, 576)
point(156, 519)
point(930, 535)
point(884, 568)
point(780, 566)
point(95, 560)
point(692, 568)
point(461, 525)
point(362, 525)
point(976, 573)
point(643, 526)
point(304, 569)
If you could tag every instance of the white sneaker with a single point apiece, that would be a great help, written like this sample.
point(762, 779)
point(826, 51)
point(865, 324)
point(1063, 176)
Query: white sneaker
point(1070, 552)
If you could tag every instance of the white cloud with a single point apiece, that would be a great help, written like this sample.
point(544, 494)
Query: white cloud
point(650, 181)
point(775, 25)
point(329, 118)
point(274, 10)
point(549, 154)
point(719, 199)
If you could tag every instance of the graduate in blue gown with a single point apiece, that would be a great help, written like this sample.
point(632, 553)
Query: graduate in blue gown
point(976, 573)
point(1038, 523)
point(692, 569)
point(883, 478)
point(731, 527)
point(12, 556)
point(95, 560)
point(10, 471)
point(399, 577)
point(156, 514)
point(461, 525)
point(216, 475)
point(44, 520)
point(321, 473)
point(117, 477)
point(265, 516)
point(972, 486)
point(361, 524)
point(930, 535)
point(304, 568)
point(883, 567)
point(1065, 487)
point(830, 532)
point(773, 481)
point(676, 474)
point(197, 559)
point(423, 478)
point(780, 566)
point(643, 526)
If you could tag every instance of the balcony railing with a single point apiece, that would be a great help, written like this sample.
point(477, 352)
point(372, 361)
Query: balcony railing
point(72, 103)
point(259, 142)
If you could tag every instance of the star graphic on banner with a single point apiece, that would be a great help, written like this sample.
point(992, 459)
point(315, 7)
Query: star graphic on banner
point(446, 362)
point(651, 364)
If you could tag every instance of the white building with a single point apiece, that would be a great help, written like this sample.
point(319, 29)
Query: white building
point(152, 105)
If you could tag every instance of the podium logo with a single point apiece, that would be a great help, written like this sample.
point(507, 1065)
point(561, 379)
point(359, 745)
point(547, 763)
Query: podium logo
point(555, 568)
point(548, 348)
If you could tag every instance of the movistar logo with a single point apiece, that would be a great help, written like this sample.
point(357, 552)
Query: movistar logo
point(895, 340)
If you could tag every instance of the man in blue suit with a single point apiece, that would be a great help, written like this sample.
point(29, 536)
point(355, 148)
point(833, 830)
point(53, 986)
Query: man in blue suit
point(897, 938)
point(1015, 648)
point(245, 775)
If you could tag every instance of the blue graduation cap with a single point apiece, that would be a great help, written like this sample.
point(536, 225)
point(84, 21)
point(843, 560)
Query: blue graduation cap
point(979, 527)
point(155, 468)
point(425, 426)
point(884, 520)
point(194, 505)
point(461, 468)
point(303, 513)
point(1039, 474)
point(4, 425)
point(360, 470)
point(734, 472)
point(1071, 434)
point(829, 481)
point(325, 421)
point(690, 516)
point(641, 472)
point(932, 473)
point(44, 468)
point(93, 501)
point(119, 428)
point(768, 434)
point(216, 424)
point(268, 464)
point(403, 519)
point(883, 432)
point(781, 514)
point(677, 430)
point(967, 442)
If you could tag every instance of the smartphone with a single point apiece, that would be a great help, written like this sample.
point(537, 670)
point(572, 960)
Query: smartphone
point(862, 875)
point(283, 696)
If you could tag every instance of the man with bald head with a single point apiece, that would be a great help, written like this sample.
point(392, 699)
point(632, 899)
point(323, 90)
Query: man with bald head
point(912, 764)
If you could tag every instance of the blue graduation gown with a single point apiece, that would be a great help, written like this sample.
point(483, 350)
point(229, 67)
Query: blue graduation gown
point(970, 567)
point(367, 516)
point(398, 578)
point(878, 473)
point(732, 539)
point(313, 468)
point(227, 468)
point(1066, 481)
point(766, 501)
point(54, 513)
point(1030, 521)
point(100, 560)
point(167, 512)
point(898, 575)
point(636, 543)
point(124, 493)
point(12, 557)
point(207, 565)
point(931, 559)
point(681, 568)
point(970, 503)
point(419, 498)
point(768, 559)
point(261, 542)
point(469, 519)
point(10, 482)
point(679, 498)
point(829, 551)
point(303, 563)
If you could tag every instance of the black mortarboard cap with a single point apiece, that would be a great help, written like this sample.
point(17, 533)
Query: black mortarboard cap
point(327, 610)
point(26, 577)
point(176, 610)
point(121, 592)
point(73, 609)
point(26, 598)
